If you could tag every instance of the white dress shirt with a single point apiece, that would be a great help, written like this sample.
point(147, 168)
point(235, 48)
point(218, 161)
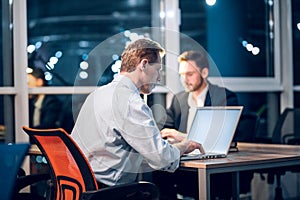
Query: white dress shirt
point(194, 103)
point(117, 132)
point(37, 110)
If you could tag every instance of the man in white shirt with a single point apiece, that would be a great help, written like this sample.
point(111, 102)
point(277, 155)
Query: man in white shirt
point(116, 129)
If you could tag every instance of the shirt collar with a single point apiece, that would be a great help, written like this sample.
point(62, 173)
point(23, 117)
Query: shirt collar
point(126, 82)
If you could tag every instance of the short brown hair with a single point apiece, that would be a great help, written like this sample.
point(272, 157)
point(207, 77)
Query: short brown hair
point(138, 50)
point(39, 74)
point(199, 57)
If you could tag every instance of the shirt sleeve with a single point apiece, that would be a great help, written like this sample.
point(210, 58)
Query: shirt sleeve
point(140, 131)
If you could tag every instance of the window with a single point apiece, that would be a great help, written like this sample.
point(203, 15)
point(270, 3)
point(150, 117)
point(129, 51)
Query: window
point(62, 36)
point(6, 75)
point(56, 29)
point(238, 35)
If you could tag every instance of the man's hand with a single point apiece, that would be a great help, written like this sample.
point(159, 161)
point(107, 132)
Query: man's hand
point(172, 135)
point(187, 146)
point(191, 146)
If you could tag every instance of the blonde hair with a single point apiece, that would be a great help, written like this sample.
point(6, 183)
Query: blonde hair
point(200, 58)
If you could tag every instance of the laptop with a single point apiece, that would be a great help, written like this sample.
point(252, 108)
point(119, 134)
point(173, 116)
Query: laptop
point(214, 128)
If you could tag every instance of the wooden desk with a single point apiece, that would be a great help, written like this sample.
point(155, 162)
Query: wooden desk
point(249, 157)
point(34, 150)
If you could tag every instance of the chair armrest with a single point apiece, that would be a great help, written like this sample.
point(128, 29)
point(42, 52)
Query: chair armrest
point(132, 191)
point(291, 138)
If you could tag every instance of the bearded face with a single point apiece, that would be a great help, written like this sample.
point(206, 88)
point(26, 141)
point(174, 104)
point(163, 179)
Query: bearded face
point(191, 76)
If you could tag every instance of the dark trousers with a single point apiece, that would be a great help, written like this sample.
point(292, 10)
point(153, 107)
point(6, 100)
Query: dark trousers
point(101, 185)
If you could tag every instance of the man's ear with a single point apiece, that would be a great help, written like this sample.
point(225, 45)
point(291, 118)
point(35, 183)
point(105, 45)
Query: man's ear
point(144, 62)
point(204, 72)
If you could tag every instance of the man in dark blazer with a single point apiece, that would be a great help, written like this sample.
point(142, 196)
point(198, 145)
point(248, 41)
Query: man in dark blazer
point(199, 92)
point(44, 110)
point(194, 71)
point(178, 112)
point(49, 112)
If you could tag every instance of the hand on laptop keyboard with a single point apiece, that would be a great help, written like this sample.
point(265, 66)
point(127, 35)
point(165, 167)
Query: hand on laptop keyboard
point(172, 135)
point(195, 152)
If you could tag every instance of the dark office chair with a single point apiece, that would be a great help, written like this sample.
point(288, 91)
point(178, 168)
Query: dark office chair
point(71, 174)
point(287, 127)
point(286, 131)
point(11, 159)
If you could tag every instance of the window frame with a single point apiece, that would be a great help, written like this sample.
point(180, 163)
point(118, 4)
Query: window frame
point(281, 82)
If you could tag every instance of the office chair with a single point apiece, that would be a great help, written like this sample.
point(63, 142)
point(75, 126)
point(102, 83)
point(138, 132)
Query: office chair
point(287, 127)
point(286, 131)
point(11, 159)
point(71, 174)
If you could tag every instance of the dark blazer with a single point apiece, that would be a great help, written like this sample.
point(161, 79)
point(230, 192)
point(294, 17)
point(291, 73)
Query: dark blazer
point(50, 112)
point(177, 113)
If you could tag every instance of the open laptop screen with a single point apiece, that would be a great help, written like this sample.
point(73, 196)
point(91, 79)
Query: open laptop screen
point(214, 127)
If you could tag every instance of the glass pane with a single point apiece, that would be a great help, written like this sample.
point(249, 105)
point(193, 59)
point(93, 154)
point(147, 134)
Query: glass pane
point(297, 99)
point(296, 39)
point(238, 35)
point(70, 32)
point(6, 118)
point(6, 69)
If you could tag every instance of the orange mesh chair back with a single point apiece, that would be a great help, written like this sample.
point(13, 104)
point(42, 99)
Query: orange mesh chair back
point(73, 175)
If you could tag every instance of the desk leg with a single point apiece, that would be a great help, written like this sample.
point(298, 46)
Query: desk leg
point(236, 185)
point(203, 184)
